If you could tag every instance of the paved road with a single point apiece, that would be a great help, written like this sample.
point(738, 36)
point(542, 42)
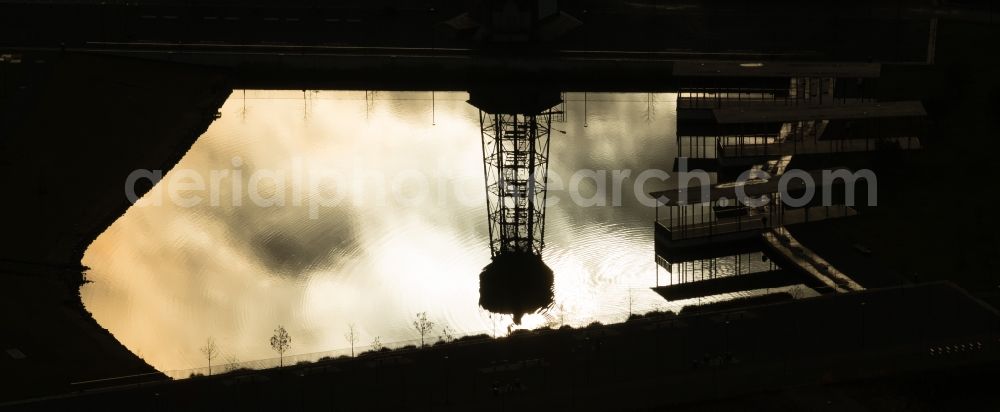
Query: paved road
point(862, 32)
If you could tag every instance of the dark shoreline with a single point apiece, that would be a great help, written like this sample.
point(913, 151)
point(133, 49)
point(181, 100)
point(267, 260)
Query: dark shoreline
point(45, 265)
point(86, 162)
point(814, 344)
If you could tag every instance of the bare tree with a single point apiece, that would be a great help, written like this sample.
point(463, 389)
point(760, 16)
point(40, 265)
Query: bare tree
point(351, 336)
point(211, 351)
point(422, 325)
point(232, 362)
point(556, 317)
point(280, 342)
point(376, 344)
point(445, 335)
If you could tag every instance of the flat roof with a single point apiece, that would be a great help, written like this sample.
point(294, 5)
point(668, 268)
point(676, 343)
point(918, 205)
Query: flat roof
point(773, 114)
point(729, 284)
point(512, 100)
point(751, 188)
point(775, 69)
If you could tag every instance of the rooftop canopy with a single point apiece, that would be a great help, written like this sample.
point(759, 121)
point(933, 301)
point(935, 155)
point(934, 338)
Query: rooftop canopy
point(751, 188)
point(775, 69)
point(794, 113)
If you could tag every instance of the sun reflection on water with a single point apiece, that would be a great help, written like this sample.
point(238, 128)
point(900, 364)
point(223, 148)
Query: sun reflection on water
point(167, 277)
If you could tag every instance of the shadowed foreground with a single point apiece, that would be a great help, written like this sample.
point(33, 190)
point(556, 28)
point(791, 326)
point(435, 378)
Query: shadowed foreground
point(821, 349)
point(84, 125)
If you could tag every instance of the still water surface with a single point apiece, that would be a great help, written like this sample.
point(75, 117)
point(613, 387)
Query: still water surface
point(409, 233)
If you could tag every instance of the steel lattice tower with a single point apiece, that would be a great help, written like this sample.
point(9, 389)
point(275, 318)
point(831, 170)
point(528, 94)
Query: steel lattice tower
point(515, 165)
point(514, 123)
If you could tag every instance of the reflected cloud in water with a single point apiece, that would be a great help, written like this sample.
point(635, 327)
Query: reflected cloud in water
point(166, 277)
